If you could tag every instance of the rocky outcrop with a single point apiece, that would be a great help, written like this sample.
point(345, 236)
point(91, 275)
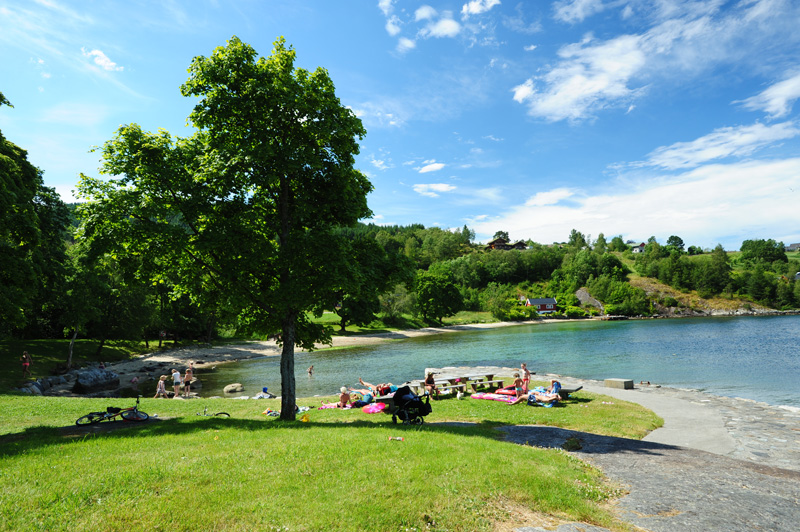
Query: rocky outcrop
point(233, 388)
point(587, 300)
point(94, 380)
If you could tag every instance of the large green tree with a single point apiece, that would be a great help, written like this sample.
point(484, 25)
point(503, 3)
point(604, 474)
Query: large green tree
point(250, 203)
point(764, 251)
point(20, 182)
point(437, 296)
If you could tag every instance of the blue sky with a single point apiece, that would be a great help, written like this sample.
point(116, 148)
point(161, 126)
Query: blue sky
point(622, 117)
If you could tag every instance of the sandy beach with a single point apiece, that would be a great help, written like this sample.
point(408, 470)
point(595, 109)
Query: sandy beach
point(180, 357)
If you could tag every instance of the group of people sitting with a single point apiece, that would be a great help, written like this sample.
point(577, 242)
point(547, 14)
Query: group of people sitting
point(363, 396)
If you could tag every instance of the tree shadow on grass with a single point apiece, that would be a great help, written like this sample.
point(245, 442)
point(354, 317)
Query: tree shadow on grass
point(534, 435)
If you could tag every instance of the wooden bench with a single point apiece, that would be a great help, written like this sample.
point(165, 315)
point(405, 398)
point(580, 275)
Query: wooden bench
point(460, 387)
point(497, 383)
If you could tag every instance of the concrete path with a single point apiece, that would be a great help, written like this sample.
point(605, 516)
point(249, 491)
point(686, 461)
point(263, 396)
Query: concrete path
point(717, 464)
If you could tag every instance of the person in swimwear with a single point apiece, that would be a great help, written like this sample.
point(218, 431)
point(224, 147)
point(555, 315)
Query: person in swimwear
point(526, 376)
point(518, 385)
point(430, 384)
point(550, 395)
point(344, 398)
point(26, 364)
point(379, 389)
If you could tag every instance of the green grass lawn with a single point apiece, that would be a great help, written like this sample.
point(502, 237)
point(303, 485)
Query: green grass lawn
point(338, 471)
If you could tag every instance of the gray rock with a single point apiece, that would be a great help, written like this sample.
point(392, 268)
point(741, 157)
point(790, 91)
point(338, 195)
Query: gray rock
point(233, 388)
point(95, 380)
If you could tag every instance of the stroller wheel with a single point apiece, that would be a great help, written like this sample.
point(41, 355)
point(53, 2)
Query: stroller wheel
point(417, 421)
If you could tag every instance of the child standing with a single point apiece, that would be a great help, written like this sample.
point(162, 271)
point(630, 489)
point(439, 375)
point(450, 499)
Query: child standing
point(161, 388)
point(187, 380)
point(176, 383)
point(526, 377)
point(517, 385)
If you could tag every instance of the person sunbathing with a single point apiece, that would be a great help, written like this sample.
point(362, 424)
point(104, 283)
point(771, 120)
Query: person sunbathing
point(379, 389)
point(344, 398)
point(549, 395)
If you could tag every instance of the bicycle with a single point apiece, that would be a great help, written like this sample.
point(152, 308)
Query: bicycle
point(127, 414)
point(219, 414)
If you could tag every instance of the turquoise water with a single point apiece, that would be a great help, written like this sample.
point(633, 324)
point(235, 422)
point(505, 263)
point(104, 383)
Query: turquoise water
point(751, 357)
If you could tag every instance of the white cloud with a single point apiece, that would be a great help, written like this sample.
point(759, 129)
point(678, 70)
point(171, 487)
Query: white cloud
point(405, 44)
point(550, 197)
point(476, 7)
point(493, 195)
point(393, 25)
point(424, 13)
point(709, 205)
point(380, 164)
point(724, 142)
point(432, 167)
point(685, 40)
point(432, 190)
point(530, 48)
point(386, 7)
point(778, 99)
point(588, 77)
point(571, 11)
point(101, 60)
point(445, 27)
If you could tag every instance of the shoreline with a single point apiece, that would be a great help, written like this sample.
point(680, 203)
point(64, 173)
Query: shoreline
point(738, 428)
point(148, 367)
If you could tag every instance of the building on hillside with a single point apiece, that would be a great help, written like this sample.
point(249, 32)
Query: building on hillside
point(791, 248)
point(639, 248)
point(503, 244)
point(544, 305)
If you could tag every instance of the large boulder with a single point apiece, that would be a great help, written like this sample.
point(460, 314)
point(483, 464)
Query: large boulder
point(233, 388)
point(95, 380)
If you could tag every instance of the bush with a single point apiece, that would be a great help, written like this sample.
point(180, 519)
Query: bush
point(670, 301)
point(575, 312)
point(511, 310)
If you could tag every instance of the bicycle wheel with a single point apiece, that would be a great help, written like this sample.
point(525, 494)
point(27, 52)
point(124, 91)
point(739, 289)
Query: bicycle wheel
point(90, 418)
point(222, 414)
point(134, 415)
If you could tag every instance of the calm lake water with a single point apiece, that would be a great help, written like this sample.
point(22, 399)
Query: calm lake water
point(751, 357)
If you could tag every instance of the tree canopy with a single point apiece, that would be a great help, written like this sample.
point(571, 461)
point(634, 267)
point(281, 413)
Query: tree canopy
point(249, 204)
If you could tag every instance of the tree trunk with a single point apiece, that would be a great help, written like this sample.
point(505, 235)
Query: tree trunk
point(71, 343)
point(100, 347)
point(288, 402)
point(210, 327)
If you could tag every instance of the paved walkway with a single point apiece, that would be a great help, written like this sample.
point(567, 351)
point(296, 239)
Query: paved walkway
point(717, 464)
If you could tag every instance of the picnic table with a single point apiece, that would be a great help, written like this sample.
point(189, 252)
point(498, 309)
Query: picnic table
point(453, 381)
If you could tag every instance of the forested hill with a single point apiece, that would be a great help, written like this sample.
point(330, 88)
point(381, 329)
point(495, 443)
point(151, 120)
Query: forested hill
point(630, 279)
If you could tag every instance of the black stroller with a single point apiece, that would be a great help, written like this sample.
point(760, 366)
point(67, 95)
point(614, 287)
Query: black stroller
point(408, 407)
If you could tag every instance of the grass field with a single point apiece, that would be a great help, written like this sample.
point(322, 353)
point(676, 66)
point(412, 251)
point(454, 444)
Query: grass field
point(338, 471)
